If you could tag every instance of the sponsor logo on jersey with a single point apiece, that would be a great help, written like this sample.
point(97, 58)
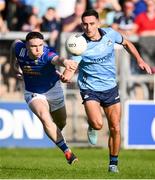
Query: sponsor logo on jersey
point(109, 43)
point(50, 54)
point(103, 59)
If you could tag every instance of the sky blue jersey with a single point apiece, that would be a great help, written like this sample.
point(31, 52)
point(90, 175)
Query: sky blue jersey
point(39, 75)
point(97, 69)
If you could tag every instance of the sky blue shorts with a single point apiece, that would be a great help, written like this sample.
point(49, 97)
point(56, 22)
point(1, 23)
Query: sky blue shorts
point(105, 98)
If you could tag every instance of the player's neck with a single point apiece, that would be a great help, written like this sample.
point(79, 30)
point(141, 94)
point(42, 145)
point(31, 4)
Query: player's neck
point(31, 56)
point(96, 37)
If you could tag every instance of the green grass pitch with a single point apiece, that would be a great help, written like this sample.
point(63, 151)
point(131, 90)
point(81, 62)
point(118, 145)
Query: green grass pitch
point(92, 164)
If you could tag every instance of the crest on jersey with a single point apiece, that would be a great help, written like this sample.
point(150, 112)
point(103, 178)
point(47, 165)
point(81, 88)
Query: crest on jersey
point(109, 43)
point(36, 61)
point(50, 54)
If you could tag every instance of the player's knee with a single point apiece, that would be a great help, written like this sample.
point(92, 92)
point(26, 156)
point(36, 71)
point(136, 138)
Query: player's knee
point(97, 125)
point(115, 129)
point(42, 116)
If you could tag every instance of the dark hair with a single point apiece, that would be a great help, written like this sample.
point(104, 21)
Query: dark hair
point(51, 8)
point(90, 12)
point(33, 35)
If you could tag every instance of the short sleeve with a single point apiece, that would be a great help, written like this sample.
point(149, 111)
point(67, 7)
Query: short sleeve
point(18, 46)
point(50, 53)
point(116, 36)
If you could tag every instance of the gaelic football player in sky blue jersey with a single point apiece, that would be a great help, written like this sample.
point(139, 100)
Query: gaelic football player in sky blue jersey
point(35, 63)
point(97, 81)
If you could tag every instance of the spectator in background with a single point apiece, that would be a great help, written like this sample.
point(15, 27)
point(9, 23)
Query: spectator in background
point(42, 5)
point(145, 29)
point(145, 22)
point(140, 6)
point(68, 10)
point(145, 26)
point(113, 5)
point(11, 17)
point(3, 87)
point(100, 7)
point(24, 9)
point(51, 23)
point(121, 2)
point(87, 3)
point(2, 22)
point(3, 25)
point(70, 7)
point(124, 21)
point(9, 78)
point(106, 9)
point(73, 23)
point(32, 24)
point(2, 5)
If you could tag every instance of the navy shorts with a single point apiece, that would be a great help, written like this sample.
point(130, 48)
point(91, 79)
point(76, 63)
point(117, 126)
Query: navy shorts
point(105, 98)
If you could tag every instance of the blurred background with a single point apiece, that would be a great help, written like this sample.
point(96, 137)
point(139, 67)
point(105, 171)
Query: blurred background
point(57, 19)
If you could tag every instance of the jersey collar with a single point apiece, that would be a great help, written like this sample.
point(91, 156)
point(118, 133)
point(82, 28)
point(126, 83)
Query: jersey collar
point(102, 33)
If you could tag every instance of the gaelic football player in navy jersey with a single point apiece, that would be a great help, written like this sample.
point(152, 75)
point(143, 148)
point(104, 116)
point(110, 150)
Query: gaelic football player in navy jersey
point(97, 81)
point(35, 63)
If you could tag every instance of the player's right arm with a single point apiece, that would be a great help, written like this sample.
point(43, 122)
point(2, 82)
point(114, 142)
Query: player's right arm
point(13, 60)
point(67, 75)
point(67, 63)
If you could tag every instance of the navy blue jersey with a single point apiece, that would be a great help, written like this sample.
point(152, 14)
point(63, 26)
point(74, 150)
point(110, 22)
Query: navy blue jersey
point(39, 75)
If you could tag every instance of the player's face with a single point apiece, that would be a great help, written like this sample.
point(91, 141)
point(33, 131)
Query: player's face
point(35, 48)
point(90, 25)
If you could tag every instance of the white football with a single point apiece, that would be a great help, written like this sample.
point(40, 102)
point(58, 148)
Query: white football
point(76, 44)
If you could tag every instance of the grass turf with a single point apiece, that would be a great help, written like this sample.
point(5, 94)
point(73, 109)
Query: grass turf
point(93, 164)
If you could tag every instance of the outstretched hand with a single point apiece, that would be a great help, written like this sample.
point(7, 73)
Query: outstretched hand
point(63, 78)
point(70, 64)
point(145, 66)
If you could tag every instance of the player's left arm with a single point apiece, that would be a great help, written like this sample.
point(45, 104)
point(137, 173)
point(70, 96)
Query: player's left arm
point(129, 46)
